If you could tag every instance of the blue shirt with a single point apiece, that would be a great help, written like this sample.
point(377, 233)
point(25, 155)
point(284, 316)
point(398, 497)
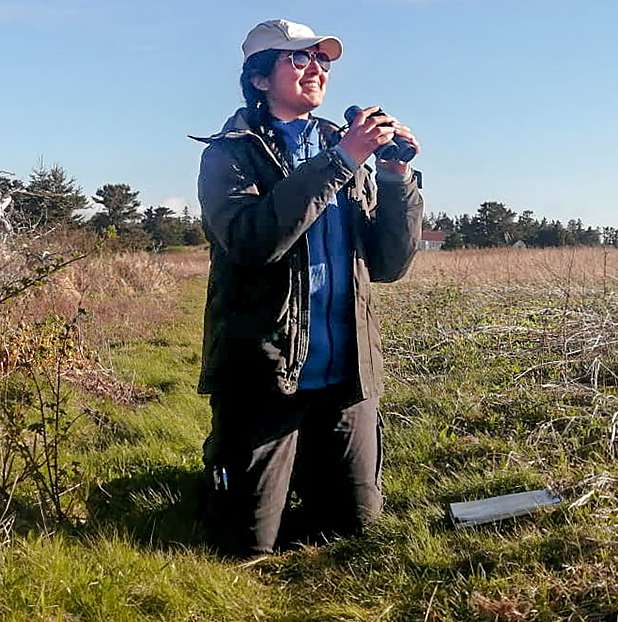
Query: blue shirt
point(330, 273)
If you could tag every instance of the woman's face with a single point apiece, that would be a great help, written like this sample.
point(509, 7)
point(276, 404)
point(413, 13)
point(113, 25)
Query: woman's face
point(292, 93)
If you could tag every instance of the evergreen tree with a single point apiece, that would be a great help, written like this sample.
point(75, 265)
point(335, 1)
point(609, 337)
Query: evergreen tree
point(526, 227)
point(591, 237)
point(453, 241)
point(194, 234)
point(51, 197)
point(192, 231)
point(9, 185)
point(443, 222)
point(153, 217)
point(493, 225)
point(466, 229)
point(186, 219)
point(575, 229)
point(428, 222)
point(163, 227)
point(551, 234)
point(120, 204)
point(582, 236)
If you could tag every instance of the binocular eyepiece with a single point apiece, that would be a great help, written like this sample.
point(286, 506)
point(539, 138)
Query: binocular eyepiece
point(396, 149)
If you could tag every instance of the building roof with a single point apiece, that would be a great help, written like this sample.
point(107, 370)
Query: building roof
point(433, 236)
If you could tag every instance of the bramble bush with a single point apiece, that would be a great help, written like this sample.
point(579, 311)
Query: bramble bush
point(34, 358)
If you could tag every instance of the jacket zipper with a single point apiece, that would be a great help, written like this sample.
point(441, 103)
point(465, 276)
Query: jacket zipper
point(303, 339)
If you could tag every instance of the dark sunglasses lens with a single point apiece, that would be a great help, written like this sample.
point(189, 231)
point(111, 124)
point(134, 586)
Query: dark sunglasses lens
point(301, 59)
point(323, 61)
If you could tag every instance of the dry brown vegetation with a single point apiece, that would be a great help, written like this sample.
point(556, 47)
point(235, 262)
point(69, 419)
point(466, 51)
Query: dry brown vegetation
point(581, 265)
point(188, 262)
point(103, 281)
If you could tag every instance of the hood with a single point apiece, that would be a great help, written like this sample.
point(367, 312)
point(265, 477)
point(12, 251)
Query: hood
point(236, 124)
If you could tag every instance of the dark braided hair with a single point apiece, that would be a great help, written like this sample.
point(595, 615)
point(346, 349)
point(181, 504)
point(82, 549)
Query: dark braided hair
point(260, 119)
point(259, 64)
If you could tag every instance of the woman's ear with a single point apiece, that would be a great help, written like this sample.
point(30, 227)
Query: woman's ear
point(260, 82)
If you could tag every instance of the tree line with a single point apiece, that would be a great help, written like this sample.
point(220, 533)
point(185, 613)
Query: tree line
point(51, 197)
point(494, 224)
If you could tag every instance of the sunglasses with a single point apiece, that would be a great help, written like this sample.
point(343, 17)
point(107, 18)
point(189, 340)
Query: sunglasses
point(301, 59)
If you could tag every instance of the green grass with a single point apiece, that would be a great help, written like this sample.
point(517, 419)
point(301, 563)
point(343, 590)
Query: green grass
point(490, 390)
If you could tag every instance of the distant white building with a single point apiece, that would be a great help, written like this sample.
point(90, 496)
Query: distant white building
point(432, 240)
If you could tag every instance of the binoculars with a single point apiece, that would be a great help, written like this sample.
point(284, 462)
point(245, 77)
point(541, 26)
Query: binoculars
point(396, 149)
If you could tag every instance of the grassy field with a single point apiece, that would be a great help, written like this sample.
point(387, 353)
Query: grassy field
point(502, 376)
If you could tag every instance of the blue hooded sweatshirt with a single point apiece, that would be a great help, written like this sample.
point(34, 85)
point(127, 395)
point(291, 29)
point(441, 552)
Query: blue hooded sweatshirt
point(330, 273)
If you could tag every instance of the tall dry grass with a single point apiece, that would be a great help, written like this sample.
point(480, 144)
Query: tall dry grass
point(102, 283)
point(188, 262)
point(110, 286)
point(561, 299)
point(515, 266)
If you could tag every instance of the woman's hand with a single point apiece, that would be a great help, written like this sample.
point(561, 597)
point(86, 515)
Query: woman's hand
point(367, 133)
point(396, 166)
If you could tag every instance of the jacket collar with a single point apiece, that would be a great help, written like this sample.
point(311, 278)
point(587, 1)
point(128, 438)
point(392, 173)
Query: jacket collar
point(237, 125)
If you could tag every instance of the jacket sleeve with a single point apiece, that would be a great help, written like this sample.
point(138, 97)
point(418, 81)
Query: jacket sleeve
point(252, 225)
point(393, 231)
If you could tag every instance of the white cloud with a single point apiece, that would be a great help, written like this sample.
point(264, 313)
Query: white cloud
point(178, 203)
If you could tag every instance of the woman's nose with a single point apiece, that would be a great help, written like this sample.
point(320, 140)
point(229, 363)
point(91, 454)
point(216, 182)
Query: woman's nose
point(313, 66)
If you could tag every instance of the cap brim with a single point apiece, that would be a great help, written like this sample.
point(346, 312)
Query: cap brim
point(329, 45)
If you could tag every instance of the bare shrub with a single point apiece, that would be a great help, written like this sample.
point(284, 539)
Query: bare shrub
point(103, 383)
point(34, 419)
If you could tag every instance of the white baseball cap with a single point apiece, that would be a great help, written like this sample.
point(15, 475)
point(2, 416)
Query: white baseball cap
point(281, 34)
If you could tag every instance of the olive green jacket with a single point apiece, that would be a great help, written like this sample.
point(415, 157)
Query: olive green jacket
point(256, 212)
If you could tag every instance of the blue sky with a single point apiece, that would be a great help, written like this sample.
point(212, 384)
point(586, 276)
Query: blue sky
point(512, 100)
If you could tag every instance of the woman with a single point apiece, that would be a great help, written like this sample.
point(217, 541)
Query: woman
point(292, 355)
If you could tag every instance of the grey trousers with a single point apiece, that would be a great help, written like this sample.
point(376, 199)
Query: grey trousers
point(316, 449)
